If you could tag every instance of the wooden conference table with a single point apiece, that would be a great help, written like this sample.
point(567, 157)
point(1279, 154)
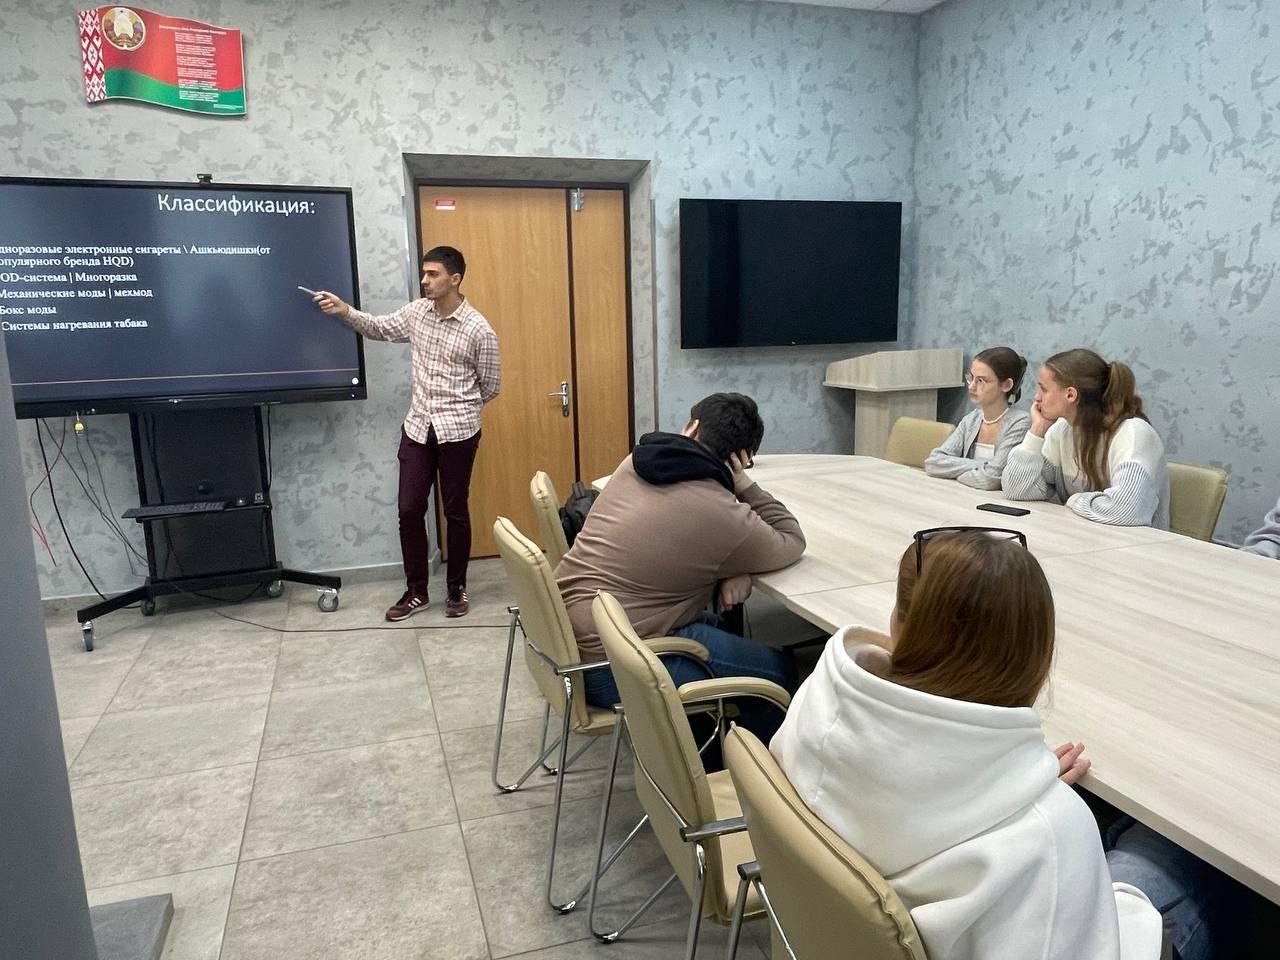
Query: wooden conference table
point(1168, 649)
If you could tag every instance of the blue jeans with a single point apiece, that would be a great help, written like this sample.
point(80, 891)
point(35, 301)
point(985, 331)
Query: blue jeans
point(731, 656)
point(1172, 879)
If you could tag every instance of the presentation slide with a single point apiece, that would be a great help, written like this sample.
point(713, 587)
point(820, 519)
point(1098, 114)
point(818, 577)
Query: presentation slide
point(112, 293)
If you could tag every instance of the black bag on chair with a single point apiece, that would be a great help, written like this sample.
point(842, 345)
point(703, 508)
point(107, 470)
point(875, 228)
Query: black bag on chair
point(573, 515)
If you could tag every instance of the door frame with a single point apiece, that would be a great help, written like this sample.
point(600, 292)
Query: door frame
point(567, 185)
point(416, 185)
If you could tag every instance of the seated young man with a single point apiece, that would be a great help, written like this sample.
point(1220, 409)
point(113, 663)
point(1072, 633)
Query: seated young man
point(679, 521)
point(1265, 541)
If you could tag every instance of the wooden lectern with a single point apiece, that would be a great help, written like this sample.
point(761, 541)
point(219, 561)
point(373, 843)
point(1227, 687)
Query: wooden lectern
point(893, 384)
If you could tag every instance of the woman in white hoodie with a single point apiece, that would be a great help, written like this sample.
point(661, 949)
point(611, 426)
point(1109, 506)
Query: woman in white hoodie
point(1090, 445)
point(930, 761)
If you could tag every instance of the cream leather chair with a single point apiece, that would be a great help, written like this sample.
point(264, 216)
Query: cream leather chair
point(546, 507)
point(694, 814)
point(824, 900)
point(1196, 494)
point(912, 440)
point(551, 655)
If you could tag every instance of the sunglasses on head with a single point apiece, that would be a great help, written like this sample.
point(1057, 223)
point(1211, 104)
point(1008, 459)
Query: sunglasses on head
point(924, 536)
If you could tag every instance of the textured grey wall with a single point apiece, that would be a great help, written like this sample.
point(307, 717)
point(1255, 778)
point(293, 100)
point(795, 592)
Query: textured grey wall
point(1108, 174)
point(725, 99)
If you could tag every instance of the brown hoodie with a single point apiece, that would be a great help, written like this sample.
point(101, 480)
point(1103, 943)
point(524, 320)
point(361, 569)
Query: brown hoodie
point(660, 550)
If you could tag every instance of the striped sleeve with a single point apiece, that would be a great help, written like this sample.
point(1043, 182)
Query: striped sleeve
point(1130, 501)
point(391, 326)
point(488, 366)
point(1265, 541)
point(1031, 470)
point(1135, 464)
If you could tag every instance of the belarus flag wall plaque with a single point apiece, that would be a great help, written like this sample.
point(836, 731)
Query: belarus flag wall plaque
point(135, 54)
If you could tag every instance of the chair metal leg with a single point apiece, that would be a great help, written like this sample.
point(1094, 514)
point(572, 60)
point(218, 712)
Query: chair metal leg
point(552, 771)
point(543, 750)
point(721, 726)
point(640, 912)
point(699, 894)
point(513, 616)
point(735, 925)
point(546, 725)
point(601, 869)
point(569, 905)
point(519, 781)
point(773, 919)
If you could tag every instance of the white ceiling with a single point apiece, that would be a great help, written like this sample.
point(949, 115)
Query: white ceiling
point(884, 6)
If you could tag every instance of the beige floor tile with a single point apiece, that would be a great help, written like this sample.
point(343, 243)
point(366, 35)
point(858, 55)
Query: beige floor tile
point(200, 902)
point(350, 794)
point(407, 897)
point(153, 828)
point(117, 636)
point(360, 605)
point(470, 755)
point(662, 941)
point(157, 741)
point(321, 658)
point(209, 663)
point(307, 719)
point(508, 855)
point(85, 685)
point(464, 672)
point(74, 734)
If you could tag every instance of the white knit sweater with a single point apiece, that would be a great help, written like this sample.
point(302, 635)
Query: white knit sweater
point(1137, 495)
point(960, 807)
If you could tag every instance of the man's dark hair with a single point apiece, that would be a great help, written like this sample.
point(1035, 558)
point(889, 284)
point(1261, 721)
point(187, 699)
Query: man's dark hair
point(727, 423)
point(449, 258)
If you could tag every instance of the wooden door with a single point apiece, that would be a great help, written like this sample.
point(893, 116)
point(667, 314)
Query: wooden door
point(515, 241)
point(602, 337)
point(552, 281)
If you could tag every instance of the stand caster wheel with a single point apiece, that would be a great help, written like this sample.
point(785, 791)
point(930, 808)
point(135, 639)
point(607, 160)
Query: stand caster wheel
point(148, 607)
point(275, 588)
point(327, 601)
point(86, 634)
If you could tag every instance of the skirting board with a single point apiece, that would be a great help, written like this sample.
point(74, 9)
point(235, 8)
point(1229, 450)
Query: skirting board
point(368, 574)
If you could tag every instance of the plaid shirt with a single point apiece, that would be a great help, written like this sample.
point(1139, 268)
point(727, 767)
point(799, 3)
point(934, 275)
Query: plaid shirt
point(455, 365)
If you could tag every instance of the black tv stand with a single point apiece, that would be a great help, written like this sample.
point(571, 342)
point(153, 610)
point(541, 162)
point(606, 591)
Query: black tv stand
point(195, 457)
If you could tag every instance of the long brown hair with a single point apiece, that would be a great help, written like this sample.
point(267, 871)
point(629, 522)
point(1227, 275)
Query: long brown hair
point(1007, 364)
point(1107, 398)
point(977, 624)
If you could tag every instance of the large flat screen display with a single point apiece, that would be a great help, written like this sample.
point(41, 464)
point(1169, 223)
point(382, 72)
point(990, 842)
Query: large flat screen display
point(757, 273)
point(117, 296)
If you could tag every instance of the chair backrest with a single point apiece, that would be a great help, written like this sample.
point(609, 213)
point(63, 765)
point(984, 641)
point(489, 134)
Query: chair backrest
point(664, 745)
point(912, 440)
point(543, 615)
point(1196, 494)
point(546, 507)
point(829, 901)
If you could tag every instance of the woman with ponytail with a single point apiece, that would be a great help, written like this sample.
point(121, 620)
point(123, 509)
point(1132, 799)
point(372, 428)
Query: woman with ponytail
point(1090, 445)
point(977, 449)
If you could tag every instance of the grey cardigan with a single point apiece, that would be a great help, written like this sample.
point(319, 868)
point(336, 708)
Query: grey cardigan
point(1265, 541)
point(954, 459)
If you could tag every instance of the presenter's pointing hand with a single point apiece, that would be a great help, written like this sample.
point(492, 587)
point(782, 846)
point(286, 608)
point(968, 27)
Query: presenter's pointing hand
point(331, 304)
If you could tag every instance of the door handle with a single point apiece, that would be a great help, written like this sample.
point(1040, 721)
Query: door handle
point(563, 394)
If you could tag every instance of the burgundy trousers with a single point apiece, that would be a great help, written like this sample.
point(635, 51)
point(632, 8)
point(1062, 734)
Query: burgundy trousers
point(419, 465)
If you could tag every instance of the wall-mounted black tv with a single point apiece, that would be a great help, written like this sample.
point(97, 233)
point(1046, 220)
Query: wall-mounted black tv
point(756, 273)
point(120, 296)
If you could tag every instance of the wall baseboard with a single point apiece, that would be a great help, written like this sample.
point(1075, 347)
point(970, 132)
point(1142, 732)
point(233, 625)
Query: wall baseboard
point(365, 574)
